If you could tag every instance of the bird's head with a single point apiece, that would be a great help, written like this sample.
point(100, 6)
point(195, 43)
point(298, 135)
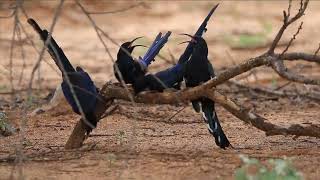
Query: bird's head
point(199, 44)
point(128, 47)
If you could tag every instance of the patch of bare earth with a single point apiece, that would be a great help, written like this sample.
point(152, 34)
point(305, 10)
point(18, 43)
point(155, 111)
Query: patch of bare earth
point(142, 142)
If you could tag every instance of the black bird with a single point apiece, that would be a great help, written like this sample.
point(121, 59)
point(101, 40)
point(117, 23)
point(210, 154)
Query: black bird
point(173, 76)
point(131, 69)
point(85, 92)
point(128, 67)
point(199, 70)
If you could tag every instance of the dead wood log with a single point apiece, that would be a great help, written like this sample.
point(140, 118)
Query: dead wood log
point(78, 134)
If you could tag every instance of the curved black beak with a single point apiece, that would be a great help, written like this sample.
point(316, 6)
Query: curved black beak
point(185, 42)
point(185, 34)
point(192, 38)
point(139, 45)
point(131, 42)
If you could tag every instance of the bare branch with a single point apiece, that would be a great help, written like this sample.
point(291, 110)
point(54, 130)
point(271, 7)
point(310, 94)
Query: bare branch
point(97, 29)
point(237, 70)
point(110, 111)
point(289, 8)
point(168, 61)
point(28, 37)
point(286, 22)
point(317, 51)
point(173, 59)
point(187, 95)
point(299, 56)
point(276, 92)
point(54, 21)
point(280, 68)
point(10, 15)
point(78, 134)
point(176, 113)
point(15, 26)
point(118, 10)
point(292, 39)
point(219, 79)
point(260, 122)
point(23, 55)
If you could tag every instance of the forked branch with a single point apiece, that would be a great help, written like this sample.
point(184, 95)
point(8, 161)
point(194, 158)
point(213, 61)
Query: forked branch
point(287, 21)
point(208, 90)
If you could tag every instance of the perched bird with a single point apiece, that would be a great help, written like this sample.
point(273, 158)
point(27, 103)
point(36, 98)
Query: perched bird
point(77, 86)
point(128, 67)
point(199, 70)
point(173, 76)
point(131, 69)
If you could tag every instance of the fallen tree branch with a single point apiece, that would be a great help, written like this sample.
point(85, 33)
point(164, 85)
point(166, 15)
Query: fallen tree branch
point(300, 56)
point(284, 72)
point(276, 61)
point(112, 91)
point(277, 92)
point(236, 70)
point(260, 122)
point(78, 134)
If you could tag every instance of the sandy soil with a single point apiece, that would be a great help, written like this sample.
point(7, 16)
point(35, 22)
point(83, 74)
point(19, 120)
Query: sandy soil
point(139, 141)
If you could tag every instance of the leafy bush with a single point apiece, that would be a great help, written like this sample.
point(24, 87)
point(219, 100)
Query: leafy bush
point(3, 118)
point(5, 128)
point(253, 169)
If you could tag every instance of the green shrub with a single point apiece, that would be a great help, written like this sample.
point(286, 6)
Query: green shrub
point(277, 169)
point(5, 128)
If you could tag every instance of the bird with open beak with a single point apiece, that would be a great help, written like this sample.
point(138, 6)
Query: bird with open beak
point(127, 68)
point(172, 76)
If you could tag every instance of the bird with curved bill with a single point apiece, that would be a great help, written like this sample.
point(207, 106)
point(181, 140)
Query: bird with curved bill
point(172, 76)
point(129, 69)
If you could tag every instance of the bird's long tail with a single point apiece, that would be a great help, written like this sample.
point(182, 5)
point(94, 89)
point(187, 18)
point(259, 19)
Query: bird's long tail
point(202, 28)
point(154, 49)
point(214, 127)
point(53, 48)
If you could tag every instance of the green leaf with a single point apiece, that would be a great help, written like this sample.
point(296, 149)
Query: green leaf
point(281, 169)
point(247, 160)
point(241, 174)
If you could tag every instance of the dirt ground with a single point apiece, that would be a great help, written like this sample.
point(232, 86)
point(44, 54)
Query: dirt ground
point(143, 142)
